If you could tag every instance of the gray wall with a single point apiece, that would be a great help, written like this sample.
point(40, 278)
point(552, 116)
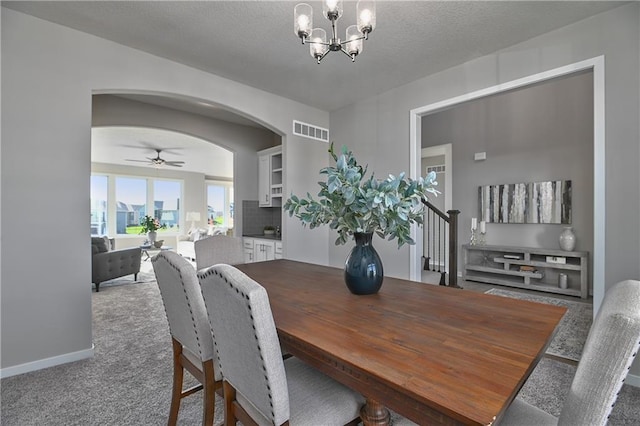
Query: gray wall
point(377, 128)
point(49, 74)
point(537, 133)
point(243, 141)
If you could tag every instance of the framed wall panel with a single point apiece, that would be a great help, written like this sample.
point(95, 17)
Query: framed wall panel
point(534, 202)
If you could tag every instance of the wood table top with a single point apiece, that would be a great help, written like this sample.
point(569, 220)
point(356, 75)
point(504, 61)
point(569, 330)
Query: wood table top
point(433, 354)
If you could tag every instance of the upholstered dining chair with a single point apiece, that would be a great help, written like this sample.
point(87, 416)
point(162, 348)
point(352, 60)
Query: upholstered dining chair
point(259, 387)
point(218, 249)
point(611, 346)
point(191, 338)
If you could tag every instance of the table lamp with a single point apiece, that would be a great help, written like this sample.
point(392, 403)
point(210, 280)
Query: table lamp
point(193, 217)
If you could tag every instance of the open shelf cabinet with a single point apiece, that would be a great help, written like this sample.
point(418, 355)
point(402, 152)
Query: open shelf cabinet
point(528, 268)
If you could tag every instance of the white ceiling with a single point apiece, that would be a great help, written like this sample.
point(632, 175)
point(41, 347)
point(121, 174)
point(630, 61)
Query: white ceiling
point(117, 145)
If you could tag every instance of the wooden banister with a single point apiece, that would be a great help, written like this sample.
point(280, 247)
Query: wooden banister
point(436, 241)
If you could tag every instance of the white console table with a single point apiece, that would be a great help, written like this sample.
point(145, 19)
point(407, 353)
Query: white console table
point(503, 265)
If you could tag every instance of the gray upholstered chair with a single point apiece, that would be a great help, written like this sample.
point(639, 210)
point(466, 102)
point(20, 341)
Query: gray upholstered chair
point(108, 263)
point(610, 349)
point(259, 387)
point(218, 249)
point(192, 342)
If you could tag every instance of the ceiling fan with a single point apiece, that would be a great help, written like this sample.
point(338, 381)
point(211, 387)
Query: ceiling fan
point(159, 162)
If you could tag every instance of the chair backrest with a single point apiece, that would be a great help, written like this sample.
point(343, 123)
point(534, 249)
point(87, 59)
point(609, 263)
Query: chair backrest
point(246, 340)
point(610, 348)
point(218, 249)
point(183, 304)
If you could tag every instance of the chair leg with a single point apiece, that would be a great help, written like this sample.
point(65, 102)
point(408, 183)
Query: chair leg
point(178, 374)
point(229, 398)
point(209, 402)
point(97, 287)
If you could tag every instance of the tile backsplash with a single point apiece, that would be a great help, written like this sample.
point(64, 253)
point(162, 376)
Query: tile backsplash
point(255, 218)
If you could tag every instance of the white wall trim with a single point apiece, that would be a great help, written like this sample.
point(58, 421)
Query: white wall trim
point(46, 362)
point(597, 65)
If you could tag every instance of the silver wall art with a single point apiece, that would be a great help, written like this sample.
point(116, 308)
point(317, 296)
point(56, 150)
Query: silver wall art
point(534, 202)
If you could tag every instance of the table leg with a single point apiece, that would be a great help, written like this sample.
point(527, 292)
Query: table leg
point(374, 414)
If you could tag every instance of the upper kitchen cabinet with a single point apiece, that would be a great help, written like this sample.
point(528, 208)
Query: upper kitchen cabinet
point(270, 177)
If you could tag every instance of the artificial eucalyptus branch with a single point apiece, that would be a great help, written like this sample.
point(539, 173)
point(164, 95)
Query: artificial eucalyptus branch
point(349, 203)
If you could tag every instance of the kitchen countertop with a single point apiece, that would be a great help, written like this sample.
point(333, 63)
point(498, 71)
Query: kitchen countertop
point(264, 237)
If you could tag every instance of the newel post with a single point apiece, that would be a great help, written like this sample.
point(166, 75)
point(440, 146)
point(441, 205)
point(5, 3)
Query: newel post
point(453, 248)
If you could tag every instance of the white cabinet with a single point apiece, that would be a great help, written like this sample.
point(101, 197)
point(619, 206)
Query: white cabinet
point(248, 250)
point(270, 177)
point(259, 250)
point(264, 181)
point(263, 250)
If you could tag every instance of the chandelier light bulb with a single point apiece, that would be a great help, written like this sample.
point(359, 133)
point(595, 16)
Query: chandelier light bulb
point(332, 9)
point(302, 20)
point(317, 43)
point(354, 42)
point(366, 12)
point(365, 17)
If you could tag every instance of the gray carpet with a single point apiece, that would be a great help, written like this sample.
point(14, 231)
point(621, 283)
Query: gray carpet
point(128, 381)
point(573, 328)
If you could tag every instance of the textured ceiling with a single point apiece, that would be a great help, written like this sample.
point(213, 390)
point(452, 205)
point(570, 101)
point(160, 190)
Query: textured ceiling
point(252, 42)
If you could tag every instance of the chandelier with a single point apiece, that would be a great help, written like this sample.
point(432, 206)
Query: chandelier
point(319, 47)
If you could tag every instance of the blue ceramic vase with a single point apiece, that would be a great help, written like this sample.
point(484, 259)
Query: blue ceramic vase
point(363, 272)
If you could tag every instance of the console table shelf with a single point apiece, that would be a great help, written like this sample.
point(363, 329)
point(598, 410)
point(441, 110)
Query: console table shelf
point(503, 265)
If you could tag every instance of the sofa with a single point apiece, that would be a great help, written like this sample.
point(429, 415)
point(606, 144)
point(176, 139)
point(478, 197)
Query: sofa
point(186, 243)
point(108, 263)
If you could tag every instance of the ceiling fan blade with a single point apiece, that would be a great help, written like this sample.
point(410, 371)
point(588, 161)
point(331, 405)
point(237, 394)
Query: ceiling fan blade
point(174, 163)
point(138, 161)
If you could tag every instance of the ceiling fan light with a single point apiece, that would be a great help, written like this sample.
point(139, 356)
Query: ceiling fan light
point(302, 20)
point(366, 11)
point(332, 9)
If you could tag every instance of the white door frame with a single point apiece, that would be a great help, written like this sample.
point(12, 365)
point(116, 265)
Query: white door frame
point(599, 208)
point(445, 150)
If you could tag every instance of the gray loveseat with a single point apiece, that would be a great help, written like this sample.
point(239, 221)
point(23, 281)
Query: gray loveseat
point(107, 263)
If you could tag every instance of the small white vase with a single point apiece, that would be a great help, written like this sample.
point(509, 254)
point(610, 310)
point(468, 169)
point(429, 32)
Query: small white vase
point(152, 236)
point(567, 239)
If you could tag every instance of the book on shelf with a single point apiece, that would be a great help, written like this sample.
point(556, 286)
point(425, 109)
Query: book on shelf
point(557, 259)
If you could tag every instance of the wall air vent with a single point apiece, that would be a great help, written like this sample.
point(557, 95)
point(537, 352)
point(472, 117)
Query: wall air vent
point(310, 131)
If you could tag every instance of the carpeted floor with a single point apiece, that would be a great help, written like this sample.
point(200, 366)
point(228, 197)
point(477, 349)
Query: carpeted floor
point(573, 328)
point(128, 381)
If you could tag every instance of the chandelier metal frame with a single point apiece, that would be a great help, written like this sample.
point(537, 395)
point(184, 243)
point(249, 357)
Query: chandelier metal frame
point(319, 47)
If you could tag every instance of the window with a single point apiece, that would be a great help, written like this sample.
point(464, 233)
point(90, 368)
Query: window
point(166, 202)
point(220, 204)
point(119, 202)
point(131, 204)
point(99, 215)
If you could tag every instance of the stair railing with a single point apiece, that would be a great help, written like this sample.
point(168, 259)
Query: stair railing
point(440, 250)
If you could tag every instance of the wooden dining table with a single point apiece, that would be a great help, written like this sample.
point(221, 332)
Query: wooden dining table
point(434, 354)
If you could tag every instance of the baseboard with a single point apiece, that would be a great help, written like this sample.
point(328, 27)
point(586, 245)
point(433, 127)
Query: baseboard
point(632, 380)
point(45, 363)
